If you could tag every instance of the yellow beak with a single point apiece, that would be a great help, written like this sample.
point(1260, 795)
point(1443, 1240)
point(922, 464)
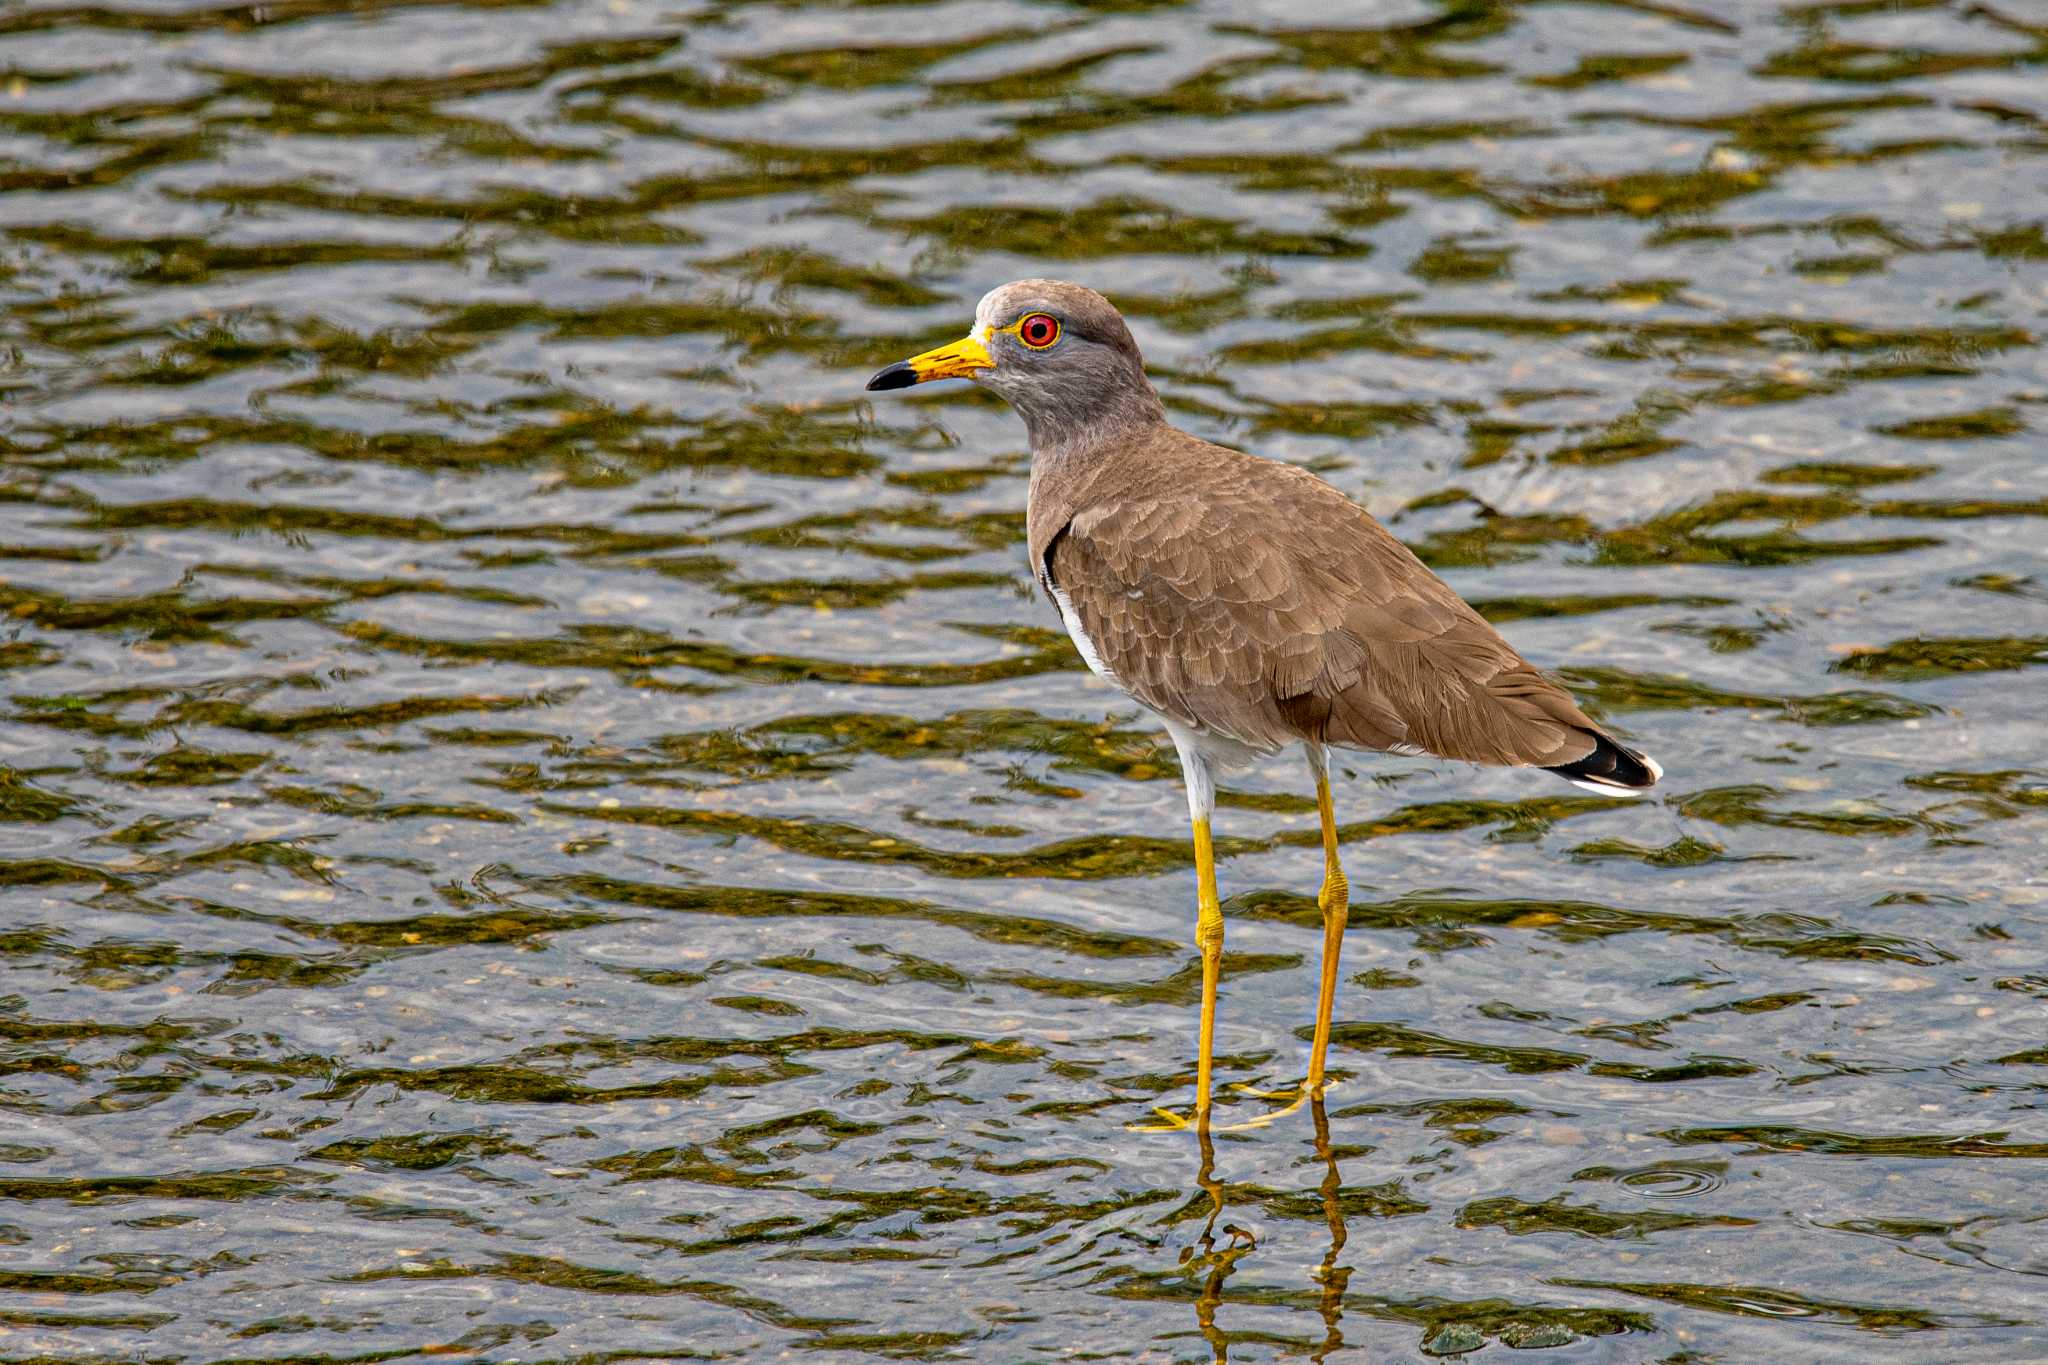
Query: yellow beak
point(956, 360)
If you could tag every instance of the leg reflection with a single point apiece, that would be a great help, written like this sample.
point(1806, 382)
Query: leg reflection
point(1220, 1263)
point(1335, 1278)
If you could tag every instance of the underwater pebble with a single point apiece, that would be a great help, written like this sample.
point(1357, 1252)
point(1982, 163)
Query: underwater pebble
point(1453, 1339)
point(1534, 1336)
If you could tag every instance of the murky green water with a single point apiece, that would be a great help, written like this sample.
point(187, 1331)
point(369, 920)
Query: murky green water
point(542, 825)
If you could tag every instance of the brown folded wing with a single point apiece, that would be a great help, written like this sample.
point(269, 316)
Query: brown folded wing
point(1250, 599)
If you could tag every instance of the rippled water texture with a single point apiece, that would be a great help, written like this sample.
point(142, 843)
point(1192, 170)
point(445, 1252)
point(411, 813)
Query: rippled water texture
point(542, 824)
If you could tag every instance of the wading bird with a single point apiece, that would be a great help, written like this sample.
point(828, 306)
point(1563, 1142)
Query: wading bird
point(1244, 602)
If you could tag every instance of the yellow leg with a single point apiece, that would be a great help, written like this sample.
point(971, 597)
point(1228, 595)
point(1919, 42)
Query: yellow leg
point(1209, 936)
point(1335, 901)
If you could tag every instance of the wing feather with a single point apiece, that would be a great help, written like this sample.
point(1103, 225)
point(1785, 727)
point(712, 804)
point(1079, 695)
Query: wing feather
point(1250, 599)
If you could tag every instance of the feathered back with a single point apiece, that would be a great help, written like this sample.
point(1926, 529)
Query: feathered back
point(1250, 599)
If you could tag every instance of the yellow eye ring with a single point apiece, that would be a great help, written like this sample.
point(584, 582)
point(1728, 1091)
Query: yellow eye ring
point(1038, 330)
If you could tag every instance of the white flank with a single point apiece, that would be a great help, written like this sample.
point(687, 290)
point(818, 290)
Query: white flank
point(1079, 635)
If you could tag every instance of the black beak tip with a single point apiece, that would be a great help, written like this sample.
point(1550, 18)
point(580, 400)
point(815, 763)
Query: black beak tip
point(897, 376)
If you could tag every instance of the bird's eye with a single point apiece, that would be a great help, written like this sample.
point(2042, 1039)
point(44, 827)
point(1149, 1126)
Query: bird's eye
point(1038, 330)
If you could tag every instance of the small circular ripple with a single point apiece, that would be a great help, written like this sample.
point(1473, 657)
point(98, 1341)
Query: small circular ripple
point(1672, 1182)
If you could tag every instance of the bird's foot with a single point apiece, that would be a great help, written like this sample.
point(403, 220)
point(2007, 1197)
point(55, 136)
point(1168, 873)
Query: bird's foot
point(1291, 1092)
point(1170, 1122)
point(1295, 1099)
point(1292, 1099)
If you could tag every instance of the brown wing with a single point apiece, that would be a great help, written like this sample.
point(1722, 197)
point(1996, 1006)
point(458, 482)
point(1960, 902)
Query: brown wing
point(1250, 598)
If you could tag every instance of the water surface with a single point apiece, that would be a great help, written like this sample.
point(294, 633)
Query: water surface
point(542, 824)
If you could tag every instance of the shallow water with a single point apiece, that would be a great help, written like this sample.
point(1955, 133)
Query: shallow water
point(543, 824)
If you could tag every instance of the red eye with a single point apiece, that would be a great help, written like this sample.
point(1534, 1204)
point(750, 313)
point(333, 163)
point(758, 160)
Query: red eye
point(1039, 331)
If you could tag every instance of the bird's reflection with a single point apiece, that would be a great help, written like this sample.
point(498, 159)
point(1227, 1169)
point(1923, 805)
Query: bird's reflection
point(1221, 1261)
point(1334, 1277)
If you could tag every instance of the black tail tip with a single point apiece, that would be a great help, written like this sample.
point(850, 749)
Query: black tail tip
point(1612, 768)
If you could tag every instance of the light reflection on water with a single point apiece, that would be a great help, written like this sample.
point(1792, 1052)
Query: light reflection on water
point(539, 825)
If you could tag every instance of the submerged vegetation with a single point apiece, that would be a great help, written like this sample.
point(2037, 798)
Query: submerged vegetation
point(539, 825)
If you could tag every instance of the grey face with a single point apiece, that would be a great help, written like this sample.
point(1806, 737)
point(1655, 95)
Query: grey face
point(1060, 354)
point(1042, 360)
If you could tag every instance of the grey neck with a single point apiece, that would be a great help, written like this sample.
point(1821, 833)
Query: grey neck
point(1066, 424)
point(1077, 454)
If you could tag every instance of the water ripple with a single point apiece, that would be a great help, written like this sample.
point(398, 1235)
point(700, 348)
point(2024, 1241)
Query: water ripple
point(539, 823)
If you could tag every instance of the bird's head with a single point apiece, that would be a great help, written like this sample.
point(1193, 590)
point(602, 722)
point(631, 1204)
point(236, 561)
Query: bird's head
point(1060, 354)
